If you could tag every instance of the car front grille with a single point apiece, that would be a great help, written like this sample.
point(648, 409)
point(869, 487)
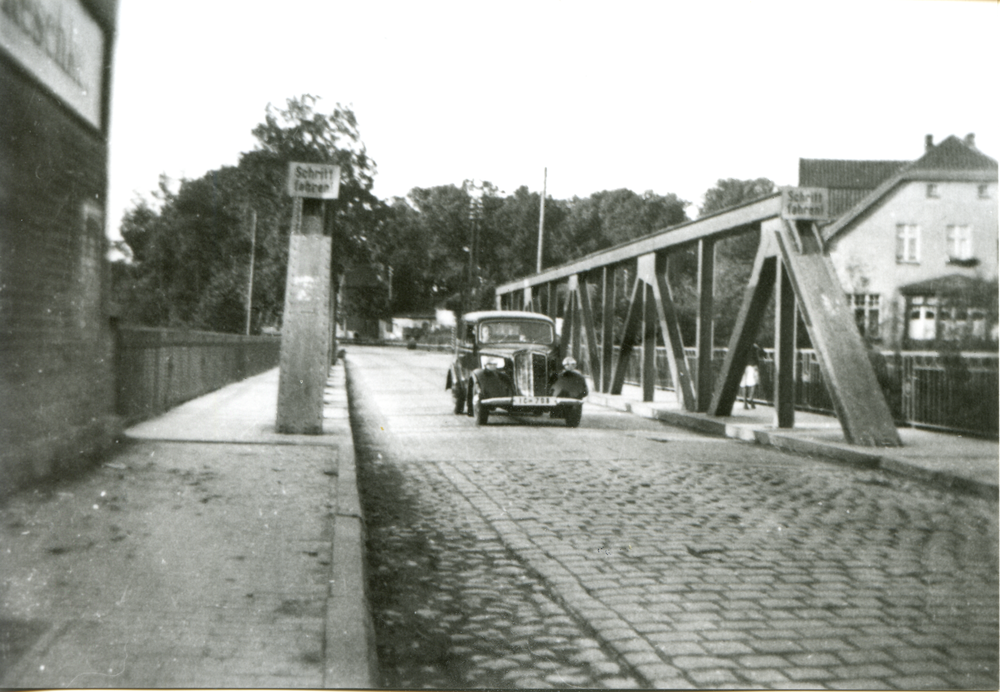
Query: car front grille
point(531, 373)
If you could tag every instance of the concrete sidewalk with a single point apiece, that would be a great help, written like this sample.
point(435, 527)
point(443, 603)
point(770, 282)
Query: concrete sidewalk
point(211, 551)
point(946, 460)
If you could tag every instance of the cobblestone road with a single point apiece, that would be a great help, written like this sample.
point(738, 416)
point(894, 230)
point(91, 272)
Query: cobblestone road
point(627, 553)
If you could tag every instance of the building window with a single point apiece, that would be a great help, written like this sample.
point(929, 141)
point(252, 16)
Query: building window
point(978, 319)
point(932, 191)
point(866, 313)
point(954, 323)
point(959, 242)
point(922, 320)
point(907, 242)
point(930, 318)
point(984, 191)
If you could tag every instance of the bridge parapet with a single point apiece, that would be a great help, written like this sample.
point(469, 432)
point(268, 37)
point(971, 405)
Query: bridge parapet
point(157, 369)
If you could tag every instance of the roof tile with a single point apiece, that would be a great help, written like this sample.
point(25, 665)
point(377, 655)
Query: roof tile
point(954, 154)
point(846, 175)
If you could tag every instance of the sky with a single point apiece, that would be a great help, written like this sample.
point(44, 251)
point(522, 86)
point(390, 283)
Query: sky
point(657, 95)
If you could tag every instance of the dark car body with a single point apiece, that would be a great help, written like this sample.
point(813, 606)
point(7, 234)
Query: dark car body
point(510, 361)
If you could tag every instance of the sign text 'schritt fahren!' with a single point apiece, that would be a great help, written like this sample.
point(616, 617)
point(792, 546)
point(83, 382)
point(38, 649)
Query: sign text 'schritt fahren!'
point(313, 180)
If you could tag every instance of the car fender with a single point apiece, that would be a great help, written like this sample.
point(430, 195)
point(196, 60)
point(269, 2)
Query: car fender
point(492, 383)
point(570, 384)
point(455, 380)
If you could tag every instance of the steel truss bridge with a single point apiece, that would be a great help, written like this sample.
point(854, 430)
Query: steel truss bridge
point(791, 266)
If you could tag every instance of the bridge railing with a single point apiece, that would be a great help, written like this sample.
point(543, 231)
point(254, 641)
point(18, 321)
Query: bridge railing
point(157, 369)
point(955, 392)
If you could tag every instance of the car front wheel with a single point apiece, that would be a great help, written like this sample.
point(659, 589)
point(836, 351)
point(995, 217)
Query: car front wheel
point(481, 413)
point(573, 416)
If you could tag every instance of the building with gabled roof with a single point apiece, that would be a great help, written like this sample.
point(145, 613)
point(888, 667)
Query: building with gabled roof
point(847, 181)
point(917, 249)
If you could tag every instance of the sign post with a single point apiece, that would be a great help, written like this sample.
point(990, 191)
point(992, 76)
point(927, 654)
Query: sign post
point(305, 329)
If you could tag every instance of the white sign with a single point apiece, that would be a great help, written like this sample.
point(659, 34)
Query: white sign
point(805, 203)
point(318, 180)
point(59, 43)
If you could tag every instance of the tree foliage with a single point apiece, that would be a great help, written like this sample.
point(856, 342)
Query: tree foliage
point(732, 192)
point(191, 248)
point(450, 246)
point(445, 246)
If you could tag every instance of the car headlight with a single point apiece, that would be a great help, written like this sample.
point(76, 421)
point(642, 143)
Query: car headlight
point(491, 362)
point(569, 363)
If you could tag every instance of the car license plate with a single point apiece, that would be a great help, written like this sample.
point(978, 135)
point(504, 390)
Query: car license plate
point(533, 401)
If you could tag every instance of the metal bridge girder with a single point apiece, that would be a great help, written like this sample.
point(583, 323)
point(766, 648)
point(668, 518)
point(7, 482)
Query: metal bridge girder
point(607, 327)
point(847, 371)
point(630, 333)
point(583, 322)
point(748, 322)
point(650, 306)
point(653, 269)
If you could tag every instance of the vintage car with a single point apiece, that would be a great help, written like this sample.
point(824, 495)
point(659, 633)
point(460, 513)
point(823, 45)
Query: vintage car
point(510, 361)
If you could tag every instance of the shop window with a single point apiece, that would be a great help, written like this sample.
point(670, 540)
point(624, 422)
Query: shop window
point(907, 243)
point(867, 307)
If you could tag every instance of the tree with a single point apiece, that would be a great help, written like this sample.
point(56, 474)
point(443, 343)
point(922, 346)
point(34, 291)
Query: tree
point(611, 217)
point(732, 192)
point(430, 237)
point(300, 133)
point(445, 223)
point(192, 251)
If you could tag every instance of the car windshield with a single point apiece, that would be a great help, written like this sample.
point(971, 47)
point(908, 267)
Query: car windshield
point(516, 331)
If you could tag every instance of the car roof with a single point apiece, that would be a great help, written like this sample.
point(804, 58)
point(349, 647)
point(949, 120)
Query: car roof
point(505, 314)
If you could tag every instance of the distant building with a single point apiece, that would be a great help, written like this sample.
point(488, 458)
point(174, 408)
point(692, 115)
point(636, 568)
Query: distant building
point(408, 325)
point(849, 182)
point(425, 327)
point(915, 244)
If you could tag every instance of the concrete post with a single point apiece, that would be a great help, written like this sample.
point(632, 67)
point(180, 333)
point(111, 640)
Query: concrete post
point(305, 330)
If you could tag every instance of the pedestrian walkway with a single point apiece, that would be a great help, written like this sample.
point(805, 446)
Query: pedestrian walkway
point(944, 459)
point(211, 551)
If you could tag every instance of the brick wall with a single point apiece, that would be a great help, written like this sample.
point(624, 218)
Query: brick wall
point(56, 383)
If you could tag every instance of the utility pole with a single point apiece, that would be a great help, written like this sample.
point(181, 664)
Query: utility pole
point(475, 211)
point(541, 221)
point(253, 253)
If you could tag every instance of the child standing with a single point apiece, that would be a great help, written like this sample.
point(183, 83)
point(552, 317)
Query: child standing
point(751, 376)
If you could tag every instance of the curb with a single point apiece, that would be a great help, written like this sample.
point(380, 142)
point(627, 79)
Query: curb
point(796, 445)
point(351, 658)
point(395, 343)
